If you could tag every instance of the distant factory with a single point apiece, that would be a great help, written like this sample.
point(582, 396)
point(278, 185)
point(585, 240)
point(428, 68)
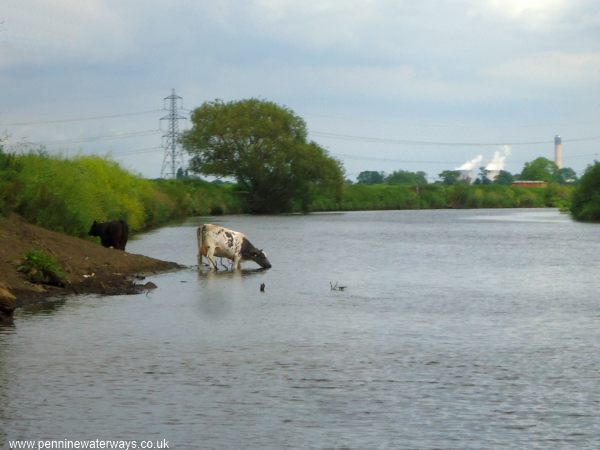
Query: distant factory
point(558, 151)
point(468, 170)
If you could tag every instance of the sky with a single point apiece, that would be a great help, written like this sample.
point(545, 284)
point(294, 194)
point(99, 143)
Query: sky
point(383, 85)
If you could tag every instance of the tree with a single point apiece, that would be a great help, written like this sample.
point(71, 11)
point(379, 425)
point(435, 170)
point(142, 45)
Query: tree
point(482, 178)
point(504, 178)
point(370, 177)
point(264, 147)
point(566, 175)
point(405, 178)
point(541, 169)
point(585, 204)
point(449, 177)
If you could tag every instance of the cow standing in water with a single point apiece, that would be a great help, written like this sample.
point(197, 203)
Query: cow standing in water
point(112, 234)
point(214, 240)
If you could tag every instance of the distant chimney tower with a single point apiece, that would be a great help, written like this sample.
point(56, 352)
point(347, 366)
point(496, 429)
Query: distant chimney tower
point(558, 151)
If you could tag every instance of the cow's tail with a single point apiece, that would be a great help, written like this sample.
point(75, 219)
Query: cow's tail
point(200, 236)
point(125, 235)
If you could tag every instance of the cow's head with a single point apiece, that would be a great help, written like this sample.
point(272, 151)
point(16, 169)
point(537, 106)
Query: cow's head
point(260, 258)
point(250, 252)
point(94, 231)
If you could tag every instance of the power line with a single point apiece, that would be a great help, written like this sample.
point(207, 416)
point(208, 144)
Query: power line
point(138, 151)
point(369, 139)
point(79, 119)
point(585, 139)
point(376, 158)
point(413, 161)
point(99, 138)
point(452, 124)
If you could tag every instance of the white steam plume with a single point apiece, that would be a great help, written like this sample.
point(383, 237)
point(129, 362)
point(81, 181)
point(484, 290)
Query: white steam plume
point(497, 162)
point(471, 164)
point(494, 167)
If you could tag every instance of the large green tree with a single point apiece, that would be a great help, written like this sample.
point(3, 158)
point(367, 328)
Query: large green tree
point(504, 178)
point(543, 169)
point(585, 204)
point(406, 178)
point(449, 177)
point(264, 147)
point(566, 175)
point(540, 169)
point(370, 177)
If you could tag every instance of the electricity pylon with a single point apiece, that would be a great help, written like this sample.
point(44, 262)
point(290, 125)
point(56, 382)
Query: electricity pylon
point(173, 159)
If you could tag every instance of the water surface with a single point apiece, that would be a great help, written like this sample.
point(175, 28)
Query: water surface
point(456, 329)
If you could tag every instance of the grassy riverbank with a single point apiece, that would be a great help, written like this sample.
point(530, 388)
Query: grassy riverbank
point(67, 195)
point(439, 196)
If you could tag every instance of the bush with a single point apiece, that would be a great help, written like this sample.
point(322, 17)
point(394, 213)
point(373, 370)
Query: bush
point(40, 267)
point(585, 205)
point(9, 168)
point(67, 195)
point(461, 195)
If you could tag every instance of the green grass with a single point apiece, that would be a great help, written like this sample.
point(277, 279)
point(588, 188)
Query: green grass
point(68, 194)
point(438, 196)
point(39, 267)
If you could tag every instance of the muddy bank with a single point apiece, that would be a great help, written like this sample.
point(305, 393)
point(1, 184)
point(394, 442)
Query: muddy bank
point(89, 268)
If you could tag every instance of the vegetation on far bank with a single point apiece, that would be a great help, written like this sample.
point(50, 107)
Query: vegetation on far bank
point(67, 195)
point(439, 196)
point(585, 205)
point(264, 149)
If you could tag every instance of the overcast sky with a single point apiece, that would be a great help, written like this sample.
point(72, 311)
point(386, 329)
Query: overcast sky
point(383, 84)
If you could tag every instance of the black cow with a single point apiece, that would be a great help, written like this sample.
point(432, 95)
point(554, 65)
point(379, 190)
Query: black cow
point(112, 234)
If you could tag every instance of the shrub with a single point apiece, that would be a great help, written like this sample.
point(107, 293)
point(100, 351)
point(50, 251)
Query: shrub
point(40, 267)
point(586, 198)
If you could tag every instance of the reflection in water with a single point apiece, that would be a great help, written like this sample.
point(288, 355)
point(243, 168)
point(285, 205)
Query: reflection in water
point(7, 326)
point(453, 332)
point(220, 289)
point(45, 308)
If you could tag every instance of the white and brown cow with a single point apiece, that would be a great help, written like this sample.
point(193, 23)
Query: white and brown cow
point(214, 240)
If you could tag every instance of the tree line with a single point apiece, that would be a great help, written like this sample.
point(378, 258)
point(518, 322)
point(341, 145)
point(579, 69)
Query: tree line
point(263, 147)
point(264, 150)
point(540, 169)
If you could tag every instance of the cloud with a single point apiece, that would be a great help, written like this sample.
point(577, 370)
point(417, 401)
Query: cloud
point(51, 32)
point(389, 68)
point(550, 69)
point(533, 15)
point(318, 24)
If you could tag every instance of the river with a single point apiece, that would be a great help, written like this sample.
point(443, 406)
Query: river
point(463, 329)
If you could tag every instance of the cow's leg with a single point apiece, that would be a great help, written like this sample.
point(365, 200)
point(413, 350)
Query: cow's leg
point(237, 262)
point(120, 244)
point(210, 255)
point(199, 238)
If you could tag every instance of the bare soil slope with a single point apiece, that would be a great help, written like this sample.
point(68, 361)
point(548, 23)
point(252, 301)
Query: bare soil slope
point(89, 267)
